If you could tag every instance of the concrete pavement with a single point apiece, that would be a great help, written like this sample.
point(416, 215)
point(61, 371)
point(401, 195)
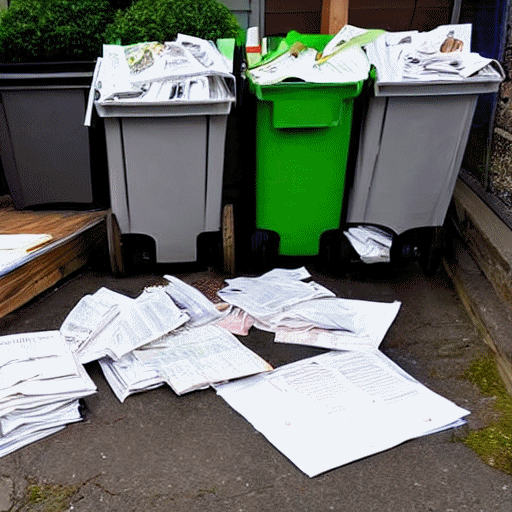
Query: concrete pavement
point(160, 452)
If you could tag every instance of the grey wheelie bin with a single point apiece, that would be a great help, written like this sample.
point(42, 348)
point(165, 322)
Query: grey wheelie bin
point(50, 158)
point(165, 167)
point(410, 152)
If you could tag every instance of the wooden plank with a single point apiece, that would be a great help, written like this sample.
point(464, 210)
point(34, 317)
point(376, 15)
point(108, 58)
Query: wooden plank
point(36, 276)
point(75, 235)
point(228, 239)
point(334, 16)
point(59, 224)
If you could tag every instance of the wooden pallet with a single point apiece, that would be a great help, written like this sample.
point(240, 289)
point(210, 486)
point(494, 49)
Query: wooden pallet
point(75, 235)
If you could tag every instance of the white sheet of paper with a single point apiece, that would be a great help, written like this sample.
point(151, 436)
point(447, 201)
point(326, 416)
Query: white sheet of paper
point(336, 323)
point(198, 357)
point(267, 295)
point(329, 410)
point(22, 242)
point(86, 319)
point(141, 321)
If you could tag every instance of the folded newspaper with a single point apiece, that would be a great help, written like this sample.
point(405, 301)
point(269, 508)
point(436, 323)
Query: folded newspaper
point(302, 64)
point(342, 60)
point(188, 69)
point(442, 54)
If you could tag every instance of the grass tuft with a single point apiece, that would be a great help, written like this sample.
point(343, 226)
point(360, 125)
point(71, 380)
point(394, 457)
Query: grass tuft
point(47, 497)
point(493, 444)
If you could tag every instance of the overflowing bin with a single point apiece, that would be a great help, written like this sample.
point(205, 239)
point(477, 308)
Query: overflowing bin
point(303, 132)
point(411, 147)
point(166, 153)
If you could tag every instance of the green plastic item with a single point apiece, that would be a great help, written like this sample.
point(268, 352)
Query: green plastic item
point(280, 45)
point(302, 139)
point(226, 46)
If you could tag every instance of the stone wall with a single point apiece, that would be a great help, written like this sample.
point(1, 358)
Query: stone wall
point(490, 239)
point(501, 151)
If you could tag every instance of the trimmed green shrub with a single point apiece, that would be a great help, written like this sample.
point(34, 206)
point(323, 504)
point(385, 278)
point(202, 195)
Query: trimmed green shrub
point(162, 20)
point(53, 30)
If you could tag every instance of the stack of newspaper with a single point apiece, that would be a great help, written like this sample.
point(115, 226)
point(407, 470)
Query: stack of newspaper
point(371, 243)
point(109, 324)
point(41, 383)
point(165, 335)
point(442, 54)
point(188, 69)
point(307, 313)
point(128, 375)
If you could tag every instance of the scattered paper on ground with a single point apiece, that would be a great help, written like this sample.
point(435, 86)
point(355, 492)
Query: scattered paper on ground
point(329, 410)
point(237, 321)
point(108, 324)
point(198, 357)
point(128, 375)
point(320, 412)
point(268, 295)
point(338, 324)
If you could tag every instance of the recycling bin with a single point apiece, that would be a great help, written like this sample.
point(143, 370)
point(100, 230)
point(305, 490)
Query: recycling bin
point(303, 133)
point(165, 167)
point(410, 151)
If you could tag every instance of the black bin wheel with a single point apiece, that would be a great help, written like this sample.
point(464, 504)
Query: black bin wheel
point(264, 250)
point(336, 252)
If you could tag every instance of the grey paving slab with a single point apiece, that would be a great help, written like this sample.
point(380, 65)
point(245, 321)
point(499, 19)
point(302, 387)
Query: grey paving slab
point(159, 452)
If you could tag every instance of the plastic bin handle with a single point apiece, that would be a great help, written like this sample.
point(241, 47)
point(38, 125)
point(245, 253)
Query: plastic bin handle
point(313, 107)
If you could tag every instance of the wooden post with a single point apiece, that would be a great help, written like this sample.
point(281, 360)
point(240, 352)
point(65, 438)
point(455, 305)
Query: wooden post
point(334, 16)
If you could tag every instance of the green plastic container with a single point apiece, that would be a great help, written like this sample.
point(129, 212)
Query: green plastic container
point(302, 140)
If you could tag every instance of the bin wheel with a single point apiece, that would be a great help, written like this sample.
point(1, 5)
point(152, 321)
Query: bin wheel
point(139, 253)
point(228, 239)
point(264, 250)
point(404, 249)
point(336, 252)
point(209, 250)
point(115, 246)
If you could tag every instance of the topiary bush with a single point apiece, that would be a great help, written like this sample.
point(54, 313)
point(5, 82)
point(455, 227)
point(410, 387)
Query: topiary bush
point(162, 20)
point(53, 30)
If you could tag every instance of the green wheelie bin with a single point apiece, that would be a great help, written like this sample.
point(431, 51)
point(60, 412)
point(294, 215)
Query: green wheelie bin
point(303, 134)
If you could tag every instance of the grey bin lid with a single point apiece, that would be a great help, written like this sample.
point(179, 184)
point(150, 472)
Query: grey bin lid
point(163, 109)
point(471, 85)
